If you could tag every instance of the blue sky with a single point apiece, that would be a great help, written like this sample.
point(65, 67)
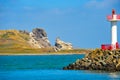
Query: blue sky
point(81, 22)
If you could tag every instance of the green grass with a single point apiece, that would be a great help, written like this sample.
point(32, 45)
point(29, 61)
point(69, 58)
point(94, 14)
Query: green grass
point(24, 50)
point(13, 39)
point(75, 51)
point(7, 34)
point(24, 36)
point(40, 51)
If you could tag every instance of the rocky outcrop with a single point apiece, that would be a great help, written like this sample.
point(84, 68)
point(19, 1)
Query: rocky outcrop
point(61, 45)
point(39, 39)
point(24, 32)
point(98, 60)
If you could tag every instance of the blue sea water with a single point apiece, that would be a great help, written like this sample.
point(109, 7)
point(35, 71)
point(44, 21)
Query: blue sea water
point(48, 67)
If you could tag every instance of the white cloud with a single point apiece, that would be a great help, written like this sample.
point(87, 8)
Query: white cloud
point(58, 11)
point(101, 4)
point(27, 8)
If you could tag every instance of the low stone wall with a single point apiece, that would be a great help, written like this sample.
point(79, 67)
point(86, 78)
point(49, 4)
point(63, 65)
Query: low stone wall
point(98, 60)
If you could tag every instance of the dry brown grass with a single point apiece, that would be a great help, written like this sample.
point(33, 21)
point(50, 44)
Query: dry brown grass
point(23, 51)
point(14, 42)
point(13, 39)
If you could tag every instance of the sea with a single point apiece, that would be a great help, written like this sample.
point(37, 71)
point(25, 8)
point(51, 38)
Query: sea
point(47, 67)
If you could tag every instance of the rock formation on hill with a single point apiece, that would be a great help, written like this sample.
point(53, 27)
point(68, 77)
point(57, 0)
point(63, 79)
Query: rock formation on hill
point(24, 32)
point(98, 60)
point(39, 39)
point(35, 39)
point(61, 45)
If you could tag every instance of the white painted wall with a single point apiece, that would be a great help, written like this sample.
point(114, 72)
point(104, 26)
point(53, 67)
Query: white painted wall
point(114, 34)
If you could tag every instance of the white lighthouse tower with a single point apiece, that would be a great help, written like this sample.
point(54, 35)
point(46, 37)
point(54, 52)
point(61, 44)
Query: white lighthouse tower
point(114, 43)
point(113, 19)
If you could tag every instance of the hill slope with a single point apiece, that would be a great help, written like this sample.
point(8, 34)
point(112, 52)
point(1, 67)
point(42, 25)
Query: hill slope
point(14, 39)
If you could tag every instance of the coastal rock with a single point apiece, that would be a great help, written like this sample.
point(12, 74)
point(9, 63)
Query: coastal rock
point(39, 39)
point(24, 32)
point(98, 60)
point(61, 45)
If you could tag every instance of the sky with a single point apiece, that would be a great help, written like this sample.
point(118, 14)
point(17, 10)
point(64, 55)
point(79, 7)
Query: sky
point(80, 22)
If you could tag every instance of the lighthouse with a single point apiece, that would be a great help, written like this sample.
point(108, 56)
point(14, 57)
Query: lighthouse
point(113, 19)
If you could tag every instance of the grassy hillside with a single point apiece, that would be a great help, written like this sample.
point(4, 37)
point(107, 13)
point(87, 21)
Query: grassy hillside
point(13, 39)
point(15, 42)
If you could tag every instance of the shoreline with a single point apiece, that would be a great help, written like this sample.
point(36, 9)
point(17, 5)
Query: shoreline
point(29, 54)
point(21, 51)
